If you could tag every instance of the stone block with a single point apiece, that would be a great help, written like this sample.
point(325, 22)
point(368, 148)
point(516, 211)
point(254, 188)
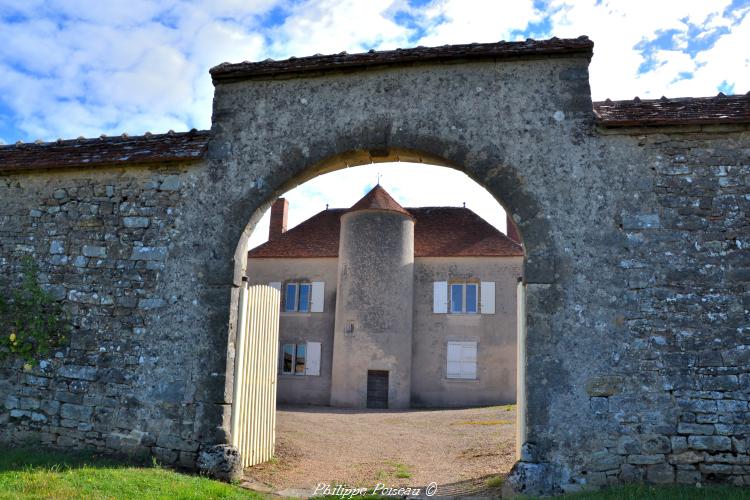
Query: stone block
point(660, 473)
point(149, 253)
point(688, 476)
point(604, 461)
point(630, 473)
point(689, 428)
point(679, 444)
point(605, 385)
point(78, 372)
point(627, 445)
point(176, 443)
point(645, 459)
point(135, 222)
point(730, 405)
point(221, 462)
point(57, 247)
point(76, 412)
point(150, 303)
point(165, 456)
point(719, 383)
point(170, 183)
point(94, 251)
point(710, 443)
point(640, 221)
point(688, 457)
point(655, 443)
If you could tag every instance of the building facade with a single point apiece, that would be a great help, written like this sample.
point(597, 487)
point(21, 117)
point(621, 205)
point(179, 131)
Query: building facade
point(387, 307)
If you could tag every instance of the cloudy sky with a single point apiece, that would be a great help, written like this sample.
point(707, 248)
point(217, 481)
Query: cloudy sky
point(86, 67)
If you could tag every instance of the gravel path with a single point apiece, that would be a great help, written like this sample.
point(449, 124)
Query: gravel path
point(461, 450)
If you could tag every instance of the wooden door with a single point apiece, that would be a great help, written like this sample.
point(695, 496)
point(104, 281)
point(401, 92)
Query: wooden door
point(377, 389)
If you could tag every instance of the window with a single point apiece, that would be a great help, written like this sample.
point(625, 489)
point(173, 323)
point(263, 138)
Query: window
point(462, 360)
point(464, 298)
point(297, 297)
point(300, 359)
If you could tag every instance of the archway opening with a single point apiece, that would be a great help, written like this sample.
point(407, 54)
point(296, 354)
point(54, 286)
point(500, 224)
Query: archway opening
point(345, 346)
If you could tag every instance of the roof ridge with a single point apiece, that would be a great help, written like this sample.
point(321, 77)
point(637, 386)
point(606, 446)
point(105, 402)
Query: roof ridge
point(124, 137)
point(318, 62)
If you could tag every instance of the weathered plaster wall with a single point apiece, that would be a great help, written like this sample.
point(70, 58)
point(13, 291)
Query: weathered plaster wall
point(637, 266)
point(495, 334)
point(303, 327)
point(374, 298)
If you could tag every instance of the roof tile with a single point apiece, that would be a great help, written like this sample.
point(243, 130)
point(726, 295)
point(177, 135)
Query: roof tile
point(148, 148)
point(438, 232)
point(676, 111)
point(316, 63)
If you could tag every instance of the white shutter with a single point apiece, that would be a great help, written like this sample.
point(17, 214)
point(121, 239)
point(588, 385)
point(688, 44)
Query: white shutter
point(469, 360)
point(440, 297)
point(462, 360)
point(454, 360)
point(312, 366)
point(488, 297)
point(318, 296)
point(276, 285)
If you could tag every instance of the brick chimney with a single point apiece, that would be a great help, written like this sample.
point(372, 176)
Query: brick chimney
point(512, 231)
point(279, 212)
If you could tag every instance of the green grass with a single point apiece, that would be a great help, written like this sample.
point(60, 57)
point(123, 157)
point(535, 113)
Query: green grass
point(644, 492)
point(484, 422)
point(494, 482)
point(27, 473)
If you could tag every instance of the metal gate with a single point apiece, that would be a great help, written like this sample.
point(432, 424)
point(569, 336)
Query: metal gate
point(255, 373)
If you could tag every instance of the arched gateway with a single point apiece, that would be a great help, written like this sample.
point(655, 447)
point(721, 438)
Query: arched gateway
point(633, 215)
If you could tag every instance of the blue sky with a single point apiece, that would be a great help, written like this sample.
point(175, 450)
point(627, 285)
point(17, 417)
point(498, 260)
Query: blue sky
point(86, 67)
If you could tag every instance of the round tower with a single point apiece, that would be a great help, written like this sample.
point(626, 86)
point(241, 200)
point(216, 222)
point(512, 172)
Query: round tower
point(374, 304)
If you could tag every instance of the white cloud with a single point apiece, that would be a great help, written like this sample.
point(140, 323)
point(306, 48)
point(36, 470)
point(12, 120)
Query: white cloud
point(333, 26)
point(468, 21)
point(618, 27)
point(76, 68)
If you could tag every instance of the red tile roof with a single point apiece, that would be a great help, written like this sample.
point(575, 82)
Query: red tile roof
point(150, 148)
point(317, 63)
point(676, 111)
point(438, 232)
point(378, 199)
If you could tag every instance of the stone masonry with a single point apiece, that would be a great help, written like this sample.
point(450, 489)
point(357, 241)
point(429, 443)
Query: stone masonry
point(636, 237)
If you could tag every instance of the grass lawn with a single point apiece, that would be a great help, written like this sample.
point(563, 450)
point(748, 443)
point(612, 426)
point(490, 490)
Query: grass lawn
point(26, 473)
point(645, 492)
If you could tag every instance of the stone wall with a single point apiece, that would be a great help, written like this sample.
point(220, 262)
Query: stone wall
point(676, 402)
point(126, 382)
point(636, 266)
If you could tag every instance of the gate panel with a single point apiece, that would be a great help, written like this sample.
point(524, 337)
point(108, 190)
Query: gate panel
point(255, 374)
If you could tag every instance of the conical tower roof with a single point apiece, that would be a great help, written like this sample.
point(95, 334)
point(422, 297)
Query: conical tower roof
point(379, 199)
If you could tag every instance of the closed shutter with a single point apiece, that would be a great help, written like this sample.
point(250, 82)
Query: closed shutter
point(462, 360)
point(440, 297)
point(275, 284)
point(488, 297)
point(469, 360)
point(313, 359)
point(318, 296)
point(454, 360)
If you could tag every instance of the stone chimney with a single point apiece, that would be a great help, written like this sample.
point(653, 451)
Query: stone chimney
point(279, 212)
point(512, 231)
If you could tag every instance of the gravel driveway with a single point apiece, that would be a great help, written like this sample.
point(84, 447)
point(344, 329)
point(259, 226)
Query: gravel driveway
point(462, 450)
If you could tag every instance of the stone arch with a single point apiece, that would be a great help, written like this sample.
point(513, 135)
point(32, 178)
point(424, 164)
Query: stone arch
point(271, 132)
